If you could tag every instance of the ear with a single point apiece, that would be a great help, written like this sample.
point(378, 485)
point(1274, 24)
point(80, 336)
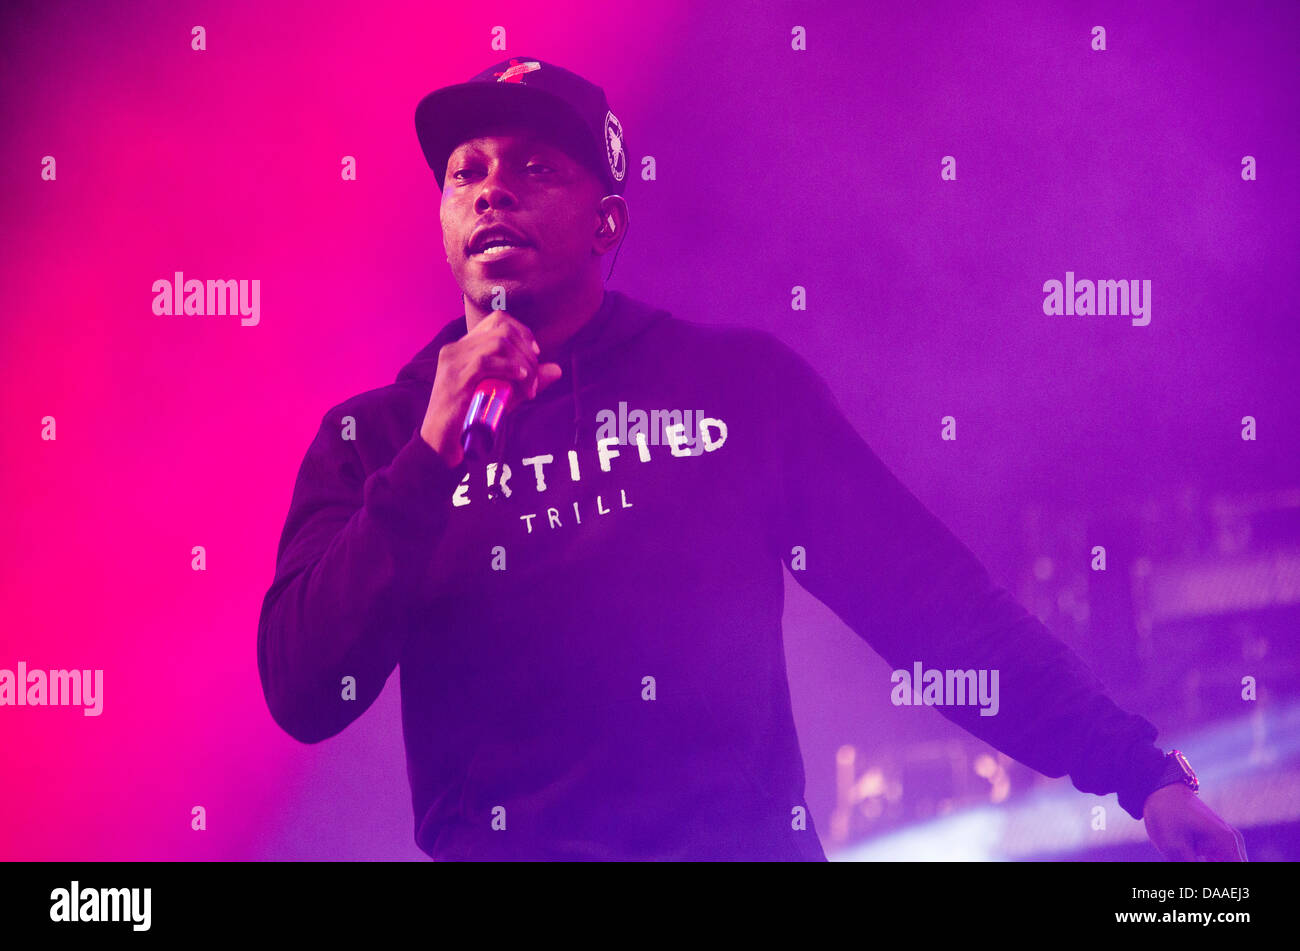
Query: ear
point(613, 223)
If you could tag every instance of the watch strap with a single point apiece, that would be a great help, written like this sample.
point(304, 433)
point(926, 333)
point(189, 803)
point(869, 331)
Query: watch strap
point(1177, 770)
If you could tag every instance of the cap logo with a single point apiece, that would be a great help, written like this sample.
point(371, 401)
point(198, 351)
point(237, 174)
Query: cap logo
point(614, 147)
point(514, 73)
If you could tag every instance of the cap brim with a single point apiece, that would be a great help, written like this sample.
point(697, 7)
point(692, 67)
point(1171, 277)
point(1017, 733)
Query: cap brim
point(447, 117)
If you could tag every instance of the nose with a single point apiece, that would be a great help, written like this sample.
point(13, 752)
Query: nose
point(494, 192)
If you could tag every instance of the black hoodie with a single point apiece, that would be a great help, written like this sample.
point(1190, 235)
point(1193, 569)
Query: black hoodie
point(589, 633)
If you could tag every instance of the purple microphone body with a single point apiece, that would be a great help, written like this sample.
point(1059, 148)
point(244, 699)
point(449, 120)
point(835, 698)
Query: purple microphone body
point(486, 407)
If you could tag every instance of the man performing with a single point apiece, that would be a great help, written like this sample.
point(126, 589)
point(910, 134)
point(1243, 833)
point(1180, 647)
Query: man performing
point(587, 619)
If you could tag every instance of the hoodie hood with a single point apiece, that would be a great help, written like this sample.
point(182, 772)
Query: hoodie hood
point(617, 322)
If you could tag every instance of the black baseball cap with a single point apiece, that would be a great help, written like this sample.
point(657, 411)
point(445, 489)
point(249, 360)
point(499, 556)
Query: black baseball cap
point(554, 101)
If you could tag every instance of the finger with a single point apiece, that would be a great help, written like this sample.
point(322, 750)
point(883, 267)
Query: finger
point(547, 374)
point(520, 337)
point(524, 334)
point(1217, 846)
point(498, 331)
point(1228, 847)
point(495, 349)
point(513, 347)
point(518, 331)
point(505, 369)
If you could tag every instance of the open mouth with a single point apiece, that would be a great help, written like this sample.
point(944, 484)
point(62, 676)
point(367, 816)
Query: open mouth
point(498, 250)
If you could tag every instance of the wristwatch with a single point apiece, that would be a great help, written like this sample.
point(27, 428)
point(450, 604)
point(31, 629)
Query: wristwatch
point(1177, 770)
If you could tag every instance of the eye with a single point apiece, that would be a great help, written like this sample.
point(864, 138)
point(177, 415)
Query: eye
point(456, 175)
point(539, 165)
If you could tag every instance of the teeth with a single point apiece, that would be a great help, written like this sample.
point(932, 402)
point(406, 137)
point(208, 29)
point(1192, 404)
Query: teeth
point(496, 248)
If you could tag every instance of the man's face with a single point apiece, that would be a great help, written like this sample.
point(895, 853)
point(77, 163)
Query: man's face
point(519, 180)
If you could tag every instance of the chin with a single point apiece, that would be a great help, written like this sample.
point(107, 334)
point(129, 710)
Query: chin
point(483, 294)
point(517, 289)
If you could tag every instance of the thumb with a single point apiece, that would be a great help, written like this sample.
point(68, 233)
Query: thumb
point(547, 374)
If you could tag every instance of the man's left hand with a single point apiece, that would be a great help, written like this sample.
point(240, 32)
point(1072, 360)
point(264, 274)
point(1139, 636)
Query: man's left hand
point(1185, 829)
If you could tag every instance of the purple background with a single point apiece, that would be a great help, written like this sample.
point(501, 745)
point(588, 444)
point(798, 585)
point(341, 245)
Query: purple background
point(775, 168)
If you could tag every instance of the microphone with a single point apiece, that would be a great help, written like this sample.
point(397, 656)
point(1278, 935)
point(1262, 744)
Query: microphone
point(486, 407)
